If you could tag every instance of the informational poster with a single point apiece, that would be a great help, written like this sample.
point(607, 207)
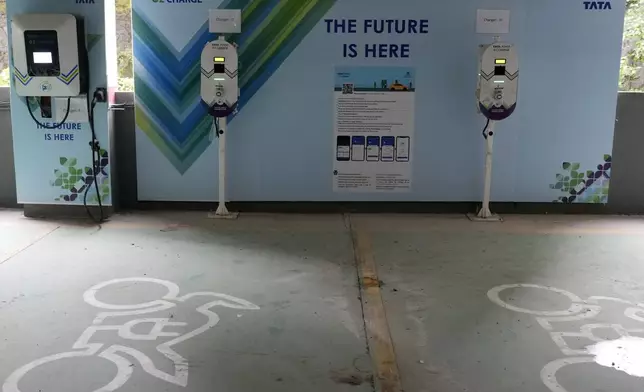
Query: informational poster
point(374, 129)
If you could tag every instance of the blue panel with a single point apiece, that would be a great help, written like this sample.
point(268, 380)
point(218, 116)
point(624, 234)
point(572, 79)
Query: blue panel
point(51, 164)
point(281, 145)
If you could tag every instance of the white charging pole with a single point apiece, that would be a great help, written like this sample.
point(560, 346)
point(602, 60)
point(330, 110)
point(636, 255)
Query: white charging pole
point(221, 209)
point(485, 212)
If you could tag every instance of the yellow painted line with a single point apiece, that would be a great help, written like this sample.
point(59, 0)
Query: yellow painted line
point(381, 347)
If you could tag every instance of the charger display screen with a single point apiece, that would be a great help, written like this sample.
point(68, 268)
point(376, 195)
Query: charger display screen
point(42, 53)
point(43, 58)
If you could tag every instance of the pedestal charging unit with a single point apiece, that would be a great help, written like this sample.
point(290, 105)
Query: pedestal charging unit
point(220, 89)
point(496, 99)
point(60, 136)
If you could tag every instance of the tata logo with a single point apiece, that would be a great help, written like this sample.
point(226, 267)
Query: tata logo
point(598, 5)
point(85, 1)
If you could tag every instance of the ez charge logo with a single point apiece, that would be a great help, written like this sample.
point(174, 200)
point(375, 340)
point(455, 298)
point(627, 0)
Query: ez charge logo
point(598, 5)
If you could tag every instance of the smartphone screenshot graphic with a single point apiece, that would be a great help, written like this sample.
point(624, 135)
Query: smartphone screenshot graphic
point(357, 148)
point(373, 148)
point(343, 148)
point(402, 148)
point(388, 147)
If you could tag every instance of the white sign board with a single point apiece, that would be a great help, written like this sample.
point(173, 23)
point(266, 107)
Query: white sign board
point(374, 129)
point(77, 110)
point(493, 21)
point(225, 21)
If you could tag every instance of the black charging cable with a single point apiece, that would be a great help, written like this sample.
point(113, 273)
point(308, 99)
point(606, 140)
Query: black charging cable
point(96, 163)
point(55, 126)
point(487, 124)
point(217, 130)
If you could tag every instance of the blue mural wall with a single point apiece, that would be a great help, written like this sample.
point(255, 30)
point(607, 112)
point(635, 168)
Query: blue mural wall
point(556, 147)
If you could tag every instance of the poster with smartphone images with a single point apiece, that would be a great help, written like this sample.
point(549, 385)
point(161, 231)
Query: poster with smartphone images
point(374, 129)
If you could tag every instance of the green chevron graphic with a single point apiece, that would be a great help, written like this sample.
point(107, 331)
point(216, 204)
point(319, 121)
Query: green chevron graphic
point(167, 81)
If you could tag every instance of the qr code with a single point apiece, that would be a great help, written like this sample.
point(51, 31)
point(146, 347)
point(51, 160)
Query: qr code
point(347, 88)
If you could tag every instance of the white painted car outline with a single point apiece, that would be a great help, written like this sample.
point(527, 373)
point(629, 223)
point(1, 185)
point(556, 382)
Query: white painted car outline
point(124, 365)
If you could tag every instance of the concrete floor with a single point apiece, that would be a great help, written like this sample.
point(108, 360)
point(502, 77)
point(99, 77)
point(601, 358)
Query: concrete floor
point(450, 336)
point(307, 334)
point(275, 304)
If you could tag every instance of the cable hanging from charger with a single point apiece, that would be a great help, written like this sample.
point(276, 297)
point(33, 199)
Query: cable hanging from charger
point(94, 146)
point(215, 125)
point(96, 163)
point(487, 124)
point(55, 126)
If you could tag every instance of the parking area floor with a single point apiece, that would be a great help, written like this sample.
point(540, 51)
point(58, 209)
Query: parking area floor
point(174, 301)
point(531, 304)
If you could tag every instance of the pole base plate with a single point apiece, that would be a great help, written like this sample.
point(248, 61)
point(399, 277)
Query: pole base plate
point(229, 215)
point(223, 213)
point(490, 218)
